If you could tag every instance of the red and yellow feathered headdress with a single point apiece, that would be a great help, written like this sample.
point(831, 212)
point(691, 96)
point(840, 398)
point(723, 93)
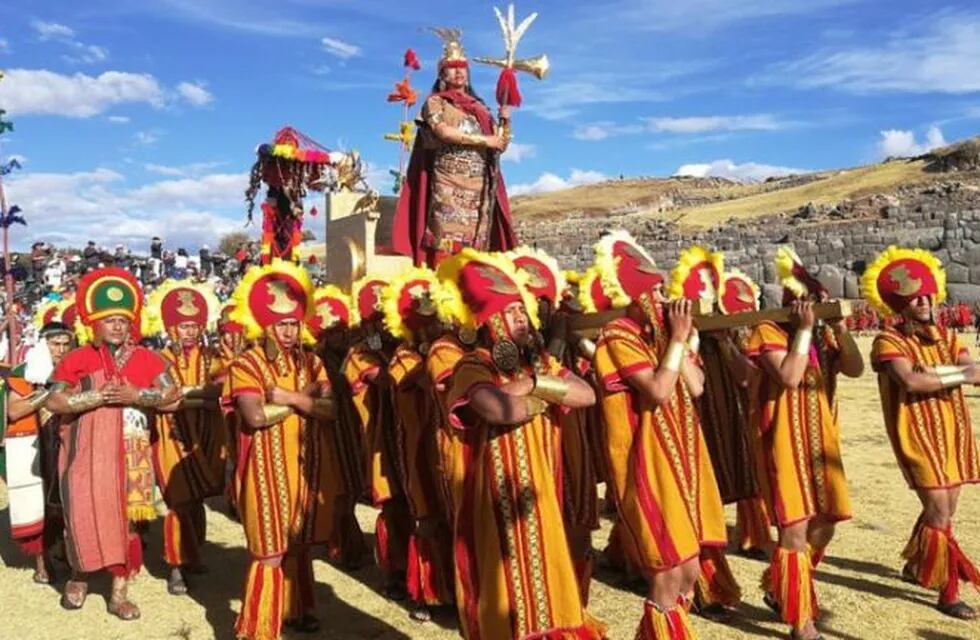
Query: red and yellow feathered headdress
point(225, 323)
point(898, 276)
point(626, 269)
point(738, 293)
point(697, 275)
point(48, 311)
point(365, 295)
point(488, 283)
point(178, 301)
point(272, 293)
point(794, 277)
point(591, 296)
point(331, 309)
point(545, 279)
point(408, 301)
point(452, 47)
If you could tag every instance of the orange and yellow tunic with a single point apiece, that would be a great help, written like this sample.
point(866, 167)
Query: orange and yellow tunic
point(796, 441)
point(189, 449)
point(514, 573)
point(930, 432)
point(444, 353)
point(580, 497)
point(284, 474)
point(659, 469)
point(374, 412)
point(225, 357)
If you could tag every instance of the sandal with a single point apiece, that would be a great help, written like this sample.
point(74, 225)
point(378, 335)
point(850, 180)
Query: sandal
point(74, 596)
point(420, 613)
point(123, 609)
point(716, 612)
point(959, 610)
point(176, 586)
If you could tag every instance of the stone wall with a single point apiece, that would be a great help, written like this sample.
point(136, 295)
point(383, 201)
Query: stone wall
point(835, 242)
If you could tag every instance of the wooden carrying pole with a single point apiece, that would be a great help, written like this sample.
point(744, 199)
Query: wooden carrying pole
point(588, 325)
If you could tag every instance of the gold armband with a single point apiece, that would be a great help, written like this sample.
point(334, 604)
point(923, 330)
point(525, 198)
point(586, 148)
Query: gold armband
point(694, 342)
point(951, 376)
point(534, 406)
point(149, 398)
point(324, 408)
point(587, 347)
point(551, 389)
point(275, 413)
point(191, 390)
point(802, 341)
point(85, 401)
point(473, 140)
point(37, 399)
point(675, 356)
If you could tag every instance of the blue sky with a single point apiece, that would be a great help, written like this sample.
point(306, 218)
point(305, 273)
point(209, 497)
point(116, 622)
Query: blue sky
point(136, 118)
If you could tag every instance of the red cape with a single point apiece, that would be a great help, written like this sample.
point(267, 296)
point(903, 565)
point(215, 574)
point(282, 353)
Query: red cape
point(413, 201)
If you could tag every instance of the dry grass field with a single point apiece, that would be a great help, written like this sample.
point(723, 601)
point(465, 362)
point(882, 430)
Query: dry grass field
point(860, 590)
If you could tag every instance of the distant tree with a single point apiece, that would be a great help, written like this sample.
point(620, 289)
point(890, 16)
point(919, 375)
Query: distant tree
point(228, 244)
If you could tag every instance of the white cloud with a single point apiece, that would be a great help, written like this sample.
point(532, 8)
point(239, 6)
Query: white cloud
point(118, 119)
point(339, 48)
point(601, 130)
point(897, 143)
point(146, 138)
point(552, 182)
point(746, 172)
point(517, 152)
point(52, 30)
point(930, 56)
point(182, 171)
point(4, 45)
point(705, 124)
point(43, 92)
point(195, 93)
point(82, 53)
point(74, 207)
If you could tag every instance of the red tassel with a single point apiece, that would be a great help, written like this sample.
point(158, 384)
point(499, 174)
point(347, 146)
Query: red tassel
point(412, 60)
point(507, 92)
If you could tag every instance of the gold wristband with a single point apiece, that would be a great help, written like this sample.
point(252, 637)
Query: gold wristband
point(694, 342)
point(534, 406)
point(473, 140)
point(37, 399)
point(952, 379)
point(85, 401)
point(551, 389)
point(275, 413)
point(944, 369)
point(587, 347)
point(675, 356)
point(802, 341)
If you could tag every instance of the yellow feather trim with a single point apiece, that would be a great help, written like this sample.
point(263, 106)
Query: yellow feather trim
point(606, 263)
point(585, 290)
point(686, 261)
point(869, 280)
point(242, 314)
point(152, 321)
point(786, 258)
point(390, 295)
point(327, 291)
point(450, 268)
point(548, 261)
point(43, 311)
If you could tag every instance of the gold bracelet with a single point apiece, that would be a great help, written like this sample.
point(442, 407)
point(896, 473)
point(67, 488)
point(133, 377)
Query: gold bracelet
point(675, 356)
point(85, 401)
point(551, 389)
point(944, 369)
point(474, 140)
point(275, 413)
point(534, 406)
point(802, 341)
point(149, 398)
point(952, 379)
point(694, 342)
point(37, 399)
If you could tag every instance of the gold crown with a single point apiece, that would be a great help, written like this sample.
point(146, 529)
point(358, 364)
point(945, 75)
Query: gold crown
point(452, 45)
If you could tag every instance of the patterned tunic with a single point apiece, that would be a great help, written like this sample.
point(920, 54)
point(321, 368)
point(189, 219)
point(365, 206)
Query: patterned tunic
point(930, 432)
point(659, 469)
point(797, 439)
point(514, 574)
point(458, 211)
point(283, 473)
